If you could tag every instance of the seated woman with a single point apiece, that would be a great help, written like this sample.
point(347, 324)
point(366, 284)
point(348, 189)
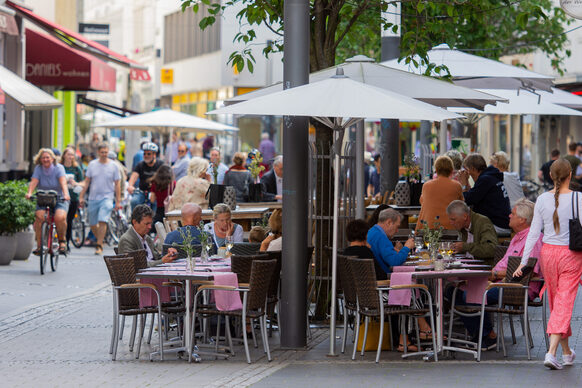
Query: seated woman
point(223, 226)
point(356, 232)
point(437, 194)
point(193, 187)
point(238, 177)
point(257, 234)
point(274, 241)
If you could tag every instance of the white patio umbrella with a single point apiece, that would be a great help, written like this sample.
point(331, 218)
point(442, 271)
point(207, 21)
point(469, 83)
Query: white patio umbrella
point(363, 69)
point(564, 98)
point(522, 103)
point(337, 102)
point(166, 121)
point(478, 72)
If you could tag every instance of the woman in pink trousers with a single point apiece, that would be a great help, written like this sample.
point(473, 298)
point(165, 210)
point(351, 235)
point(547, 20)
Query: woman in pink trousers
point(561, 267)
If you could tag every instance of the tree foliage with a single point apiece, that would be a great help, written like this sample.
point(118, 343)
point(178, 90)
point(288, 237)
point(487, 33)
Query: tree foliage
point(343, 28)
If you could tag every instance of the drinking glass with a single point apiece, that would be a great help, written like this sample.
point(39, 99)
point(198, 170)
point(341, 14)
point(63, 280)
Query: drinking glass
point(229, 244)
point(418, 243)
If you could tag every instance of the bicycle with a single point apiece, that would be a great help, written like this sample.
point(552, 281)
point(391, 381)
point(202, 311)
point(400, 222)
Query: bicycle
point(116, 226)
point(78, 228)
point(49, 242)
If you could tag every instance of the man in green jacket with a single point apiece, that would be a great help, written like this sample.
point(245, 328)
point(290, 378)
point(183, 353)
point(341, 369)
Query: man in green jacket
point(477, 232)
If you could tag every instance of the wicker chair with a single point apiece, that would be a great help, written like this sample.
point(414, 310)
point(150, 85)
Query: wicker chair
point(245, 248)
point(371, 304)
point(513, 300)
point(347, 285)
point(254, 304)
point(242, 265)
point(500, 251)
point(126, 300)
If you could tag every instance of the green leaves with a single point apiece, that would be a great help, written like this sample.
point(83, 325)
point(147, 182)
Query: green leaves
point(17, 213)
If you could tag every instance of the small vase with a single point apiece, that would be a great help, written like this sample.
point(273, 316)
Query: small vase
point(191, 263)
point(204, 255)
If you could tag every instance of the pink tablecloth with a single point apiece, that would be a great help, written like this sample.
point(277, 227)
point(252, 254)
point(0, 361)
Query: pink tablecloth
point(400, 297)
point(147, 297)
point(226, 300)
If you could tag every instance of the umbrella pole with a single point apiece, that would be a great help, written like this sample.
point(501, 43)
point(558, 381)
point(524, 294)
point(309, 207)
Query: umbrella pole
point(359, 173)
point(336, 167)
point(443, 137)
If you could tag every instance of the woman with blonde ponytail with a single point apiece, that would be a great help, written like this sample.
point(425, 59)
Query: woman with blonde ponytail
point(561, 267)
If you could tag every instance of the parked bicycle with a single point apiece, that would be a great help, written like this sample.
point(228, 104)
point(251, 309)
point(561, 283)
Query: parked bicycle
point(116, 226)
point(49, 242)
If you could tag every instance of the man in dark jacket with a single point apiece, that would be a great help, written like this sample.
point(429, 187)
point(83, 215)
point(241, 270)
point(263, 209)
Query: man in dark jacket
point(273, 181)
point(488, 196)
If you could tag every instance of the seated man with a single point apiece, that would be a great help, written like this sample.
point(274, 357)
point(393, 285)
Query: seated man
point(384, 251)
point(477, 232)
point(191, 216)
point(519, 221)
point(137, 238)
point(356, 232)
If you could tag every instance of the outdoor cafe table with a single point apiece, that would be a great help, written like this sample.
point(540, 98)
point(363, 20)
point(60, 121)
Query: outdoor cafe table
point(439, 276)
point(172, 272)
point(242, 215)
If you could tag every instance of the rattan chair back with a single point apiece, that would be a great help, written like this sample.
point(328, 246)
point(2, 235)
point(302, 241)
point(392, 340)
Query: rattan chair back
point(500, 251)
point(274, 285)
point(245, 248)
point(242, 265)
point(122, 271)
point(261, 273)
point(346, 281)
point(140, 259)
point(514, 297)
point(364, 276)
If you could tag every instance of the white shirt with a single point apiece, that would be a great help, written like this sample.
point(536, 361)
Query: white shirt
point(276, 245)
point(279, 185)
point(543, 220)
point(145, 244)
point(513, 187)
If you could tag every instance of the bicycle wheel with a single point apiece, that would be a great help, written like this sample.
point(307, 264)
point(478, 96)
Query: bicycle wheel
point(77, 231)
point(114, 227)
point(44, 245)
point(55, 250)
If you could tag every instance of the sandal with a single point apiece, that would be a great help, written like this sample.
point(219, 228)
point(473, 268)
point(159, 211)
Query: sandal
point(36, 252)
point(409, 348)
point(425, 334)
point(62, 247)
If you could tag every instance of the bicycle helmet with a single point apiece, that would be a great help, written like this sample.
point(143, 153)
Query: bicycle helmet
point(150, 147)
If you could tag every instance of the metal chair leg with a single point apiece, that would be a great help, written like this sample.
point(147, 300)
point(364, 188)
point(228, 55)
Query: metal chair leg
point(114, 328)
point(263, 320)
point(356, 335)
point(122, 327)
point(513, 339)
point(142, 319)
point(344, 339)
point(228, 335)
point(366, 323)
point(132, 336)
point(217, 335)
point(244, 335)
point(545, 322)
point(381, 337)
point(253, 333)
point(152, 322)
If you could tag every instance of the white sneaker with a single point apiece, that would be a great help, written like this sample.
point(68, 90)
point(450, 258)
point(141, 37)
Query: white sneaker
point(568, 359)
point(552, 362)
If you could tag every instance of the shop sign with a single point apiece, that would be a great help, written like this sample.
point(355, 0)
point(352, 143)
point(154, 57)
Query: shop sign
point(92, 28)
point(167, 76)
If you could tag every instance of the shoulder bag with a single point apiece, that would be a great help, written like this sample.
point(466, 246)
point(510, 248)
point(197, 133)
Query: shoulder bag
point(575, 228)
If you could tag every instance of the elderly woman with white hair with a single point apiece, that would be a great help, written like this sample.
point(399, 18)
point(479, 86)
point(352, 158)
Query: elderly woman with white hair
point(193, 187)
point(223, 227)
point(511, 181)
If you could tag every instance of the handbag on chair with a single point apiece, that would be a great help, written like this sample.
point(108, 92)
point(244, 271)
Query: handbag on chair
point(575, 243)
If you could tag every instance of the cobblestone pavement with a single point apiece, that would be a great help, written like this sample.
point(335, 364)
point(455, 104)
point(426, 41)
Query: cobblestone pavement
point(57, 335)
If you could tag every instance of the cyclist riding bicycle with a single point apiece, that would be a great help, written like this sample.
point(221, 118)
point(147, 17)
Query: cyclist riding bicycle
point(48, 175)
point(144, 171)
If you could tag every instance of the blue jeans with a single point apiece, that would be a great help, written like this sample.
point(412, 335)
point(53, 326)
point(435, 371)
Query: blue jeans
point(472, 323)
point(139, 198)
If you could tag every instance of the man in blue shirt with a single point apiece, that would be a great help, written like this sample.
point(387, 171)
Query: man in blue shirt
point(385, 252)
point(191, 217)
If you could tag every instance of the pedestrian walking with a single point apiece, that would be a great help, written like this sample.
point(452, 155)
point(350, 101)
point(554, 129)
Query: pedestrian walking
point(102, 180)
point(561, 267)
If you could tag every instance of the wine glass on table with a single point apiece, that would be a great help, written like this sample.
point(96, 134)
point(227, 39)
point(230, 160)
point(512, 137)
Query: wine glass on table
point(229, 240)
point(418, 243)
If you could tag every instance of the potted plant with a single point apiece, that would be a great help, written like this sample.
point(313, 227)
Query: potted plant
point(15, 216)
point(413, 178)
point(215, 191)
point(255, 187)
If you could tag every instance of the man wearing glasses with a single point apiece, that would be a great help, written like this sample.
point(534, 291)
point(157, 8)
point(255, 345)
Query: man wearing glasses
point(215, 161)
point(180, 167)
point(144, 171)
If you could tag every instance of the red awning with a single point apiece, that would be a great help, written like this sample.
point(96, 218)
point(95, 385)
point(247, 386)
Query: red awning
point(50, 62)
point(8, 24)
point(137, 71)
